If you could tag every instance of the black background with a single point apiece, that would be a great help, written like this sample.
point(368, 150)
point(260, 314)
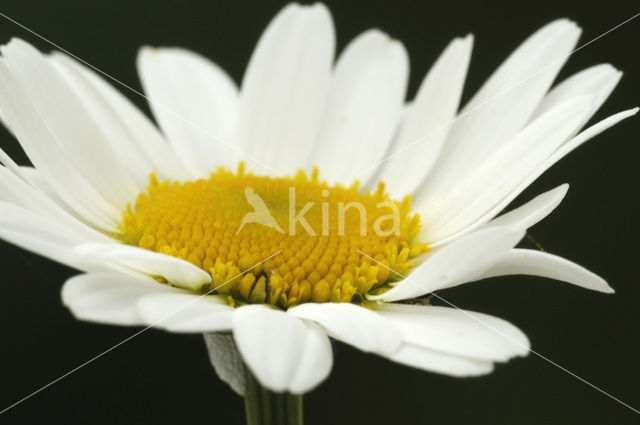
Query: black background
point(162, 378)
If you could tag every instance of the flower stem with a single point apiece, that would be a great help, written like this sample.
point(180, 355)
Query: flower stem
point(265, 407)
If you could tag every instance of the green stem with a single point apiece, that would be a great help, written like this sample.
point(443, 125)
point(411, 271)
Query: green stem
point(265, 407)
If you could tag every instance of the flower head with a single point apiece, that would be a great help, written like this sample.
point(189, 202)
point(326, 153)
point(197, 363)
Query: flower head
point(260, 210)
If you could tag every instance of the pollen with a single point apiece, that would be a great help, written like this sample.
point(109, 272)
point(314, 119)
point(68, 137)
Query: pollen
point(229, 223)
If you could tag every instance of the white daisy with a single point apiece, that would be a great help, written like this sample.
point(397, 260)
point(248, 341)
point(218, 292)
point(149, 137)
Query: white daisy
point(151, 218)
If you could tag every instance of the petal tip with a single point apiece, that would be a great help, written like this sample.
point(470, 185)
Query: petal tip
point(567, 23)
point(563, 188)
point(603, 286)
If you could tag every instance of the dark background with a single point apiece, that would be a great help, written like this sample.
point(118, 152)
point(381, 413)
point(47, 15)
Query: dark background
point(162, 378)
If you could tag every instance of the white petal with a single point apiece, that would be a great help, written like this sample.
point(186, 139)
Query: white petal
point(533, 211)
point(426, 126)
point(576, 141)
point(315, 364)
point(109, 297)
point(537, 263)
point(599, 80)
point(16, 191)
point(353, 325)
point(285, 86)
point(283, 352)
point(43, 151)
point(32, 178)
point(503, 105)
point(76, 132)
point(44, 200)
point(454, 331)
point(5, 123)
point(567, 147)
point(41, 235)
point(131, 133)
point(5, 159)
point(365, 102)
point(463, 204)
point(191, 313)
point(435, 361)
point(127, 258)
point(455, 263)
point(115, 132)
point(196, 104)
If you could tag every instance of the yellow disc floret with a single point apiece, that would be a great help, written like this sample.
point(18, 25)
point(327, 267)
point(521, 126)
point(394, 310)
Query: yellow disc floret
point(322, 235)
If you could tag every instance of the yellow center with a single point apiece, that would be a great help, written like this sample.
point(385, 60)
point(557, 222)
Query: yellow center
point(322, 235)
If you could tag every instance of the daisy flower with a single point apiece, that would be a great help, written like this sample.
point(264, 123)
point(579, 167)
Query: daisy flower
point(154, 217)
